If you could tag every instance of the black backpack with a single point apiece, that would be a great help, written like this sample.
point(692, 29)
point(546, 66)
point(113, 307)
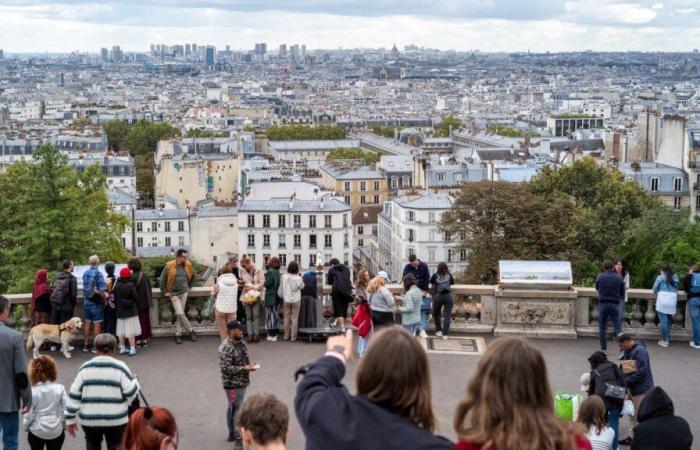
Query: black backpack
point(59, 291)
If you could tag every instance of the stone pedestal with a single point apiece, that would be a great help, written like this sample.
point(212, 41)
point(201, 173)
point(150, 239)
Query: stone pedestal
point(536, 313)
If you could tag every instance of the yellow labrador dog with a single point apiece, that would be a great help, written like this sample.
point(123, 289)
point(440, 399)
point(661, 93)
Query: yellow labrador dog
point(59, 334)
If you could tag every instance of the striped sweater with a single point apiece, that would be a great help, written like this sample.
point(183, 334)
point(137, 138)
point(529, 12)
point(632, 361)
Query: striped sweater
point(101, 393)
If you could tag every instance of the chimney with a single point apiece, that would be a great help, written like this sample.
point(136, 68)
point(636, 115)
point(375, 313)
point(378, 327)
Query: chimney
point(291, 200)
point(320, 206)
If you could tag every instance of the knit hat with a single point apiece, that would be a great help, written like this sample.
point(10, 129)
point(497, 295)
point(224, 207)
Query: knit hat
point(125, 273)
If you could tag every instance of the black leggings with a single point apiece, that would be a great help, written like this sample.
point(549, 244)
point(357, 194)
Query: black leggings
point(382, 319)
point(37, 443)
point(94, 435)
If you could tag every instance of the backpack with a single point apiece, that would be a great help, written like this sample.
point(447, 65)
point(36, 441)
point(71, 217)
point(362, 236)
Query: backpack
point(443, 284)
point(94, 294)
point(695, 283)
point(280, 289)
point(59, 291)
point(341, 282)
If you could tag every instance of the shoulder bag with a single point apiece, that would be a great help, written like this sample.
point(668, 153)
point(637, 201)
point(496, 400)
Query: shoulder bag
point(612, 391)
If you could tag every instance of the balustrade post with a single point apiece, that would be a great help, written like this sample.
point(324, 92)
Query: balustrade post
point(154, 312)
point(460, 314)
point(192, 313)
point(583, 311)
point(26, 320)
point(11, 321)
point(595, 314)
point(166, 313)
point(488, 310)
point(320, 317)
point(650, 315)
point(636, 314)
point(677, 318)
point(473, 311)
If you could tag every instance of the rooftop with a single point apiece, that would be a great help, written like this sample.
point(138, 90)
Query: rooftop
point(314, 206)
point(426, 200)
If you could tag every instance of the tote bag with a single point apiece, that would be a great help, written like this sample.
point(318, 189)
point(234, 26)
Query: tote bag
point(666, 302)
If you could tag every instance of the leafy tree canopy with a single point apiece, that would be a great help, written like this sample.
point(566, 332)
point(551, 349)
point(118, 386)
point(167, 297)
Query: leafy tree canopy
point(387, 132)
point(143, 136)
point(116, 131)
point(304, 132)
point(443, 130)
point(370, 158)
point(200, 133)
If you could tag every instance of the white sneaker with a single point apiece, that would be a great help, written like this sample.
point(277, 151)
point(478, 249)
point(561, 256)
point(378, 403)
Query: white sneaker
point(438, 333)
point(53, 348)
point(694, 345)
point(273, 339)
point(444, 338)
point(122, 350)
point(423, 334)
point(71, 348)
point(664, 343)
point(132, 351)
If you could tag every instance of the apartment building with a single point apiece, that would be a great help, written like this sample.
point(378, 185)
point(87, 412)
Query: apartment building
point(357, 183)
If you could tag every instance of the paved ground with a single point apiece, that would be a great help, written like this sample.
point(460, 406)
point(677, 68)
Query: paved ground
point(185, 379)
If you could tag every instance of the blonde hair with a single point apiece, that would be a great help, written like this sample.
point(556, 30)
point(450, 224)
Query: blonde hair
point(375, 284)
point(94, 259)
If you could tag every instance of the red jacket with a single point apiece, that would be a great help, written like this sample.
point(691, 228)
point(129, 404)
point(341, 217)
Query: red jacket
point(581, 444)
point(362, 319)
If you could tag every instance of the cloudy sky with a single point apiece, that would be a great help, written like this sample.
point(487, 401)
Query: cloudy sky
point(487, 25)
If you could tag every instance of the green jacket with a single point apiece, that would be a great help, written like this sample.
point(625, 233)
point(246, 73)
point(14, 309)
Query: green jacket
point(272, 282)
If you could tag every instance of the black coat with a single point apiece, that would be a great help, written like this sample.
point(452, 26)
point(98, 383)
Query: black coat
point(339, 278)
point(333, 419)
point(126, 298)
point(602, 372)
point(658, 428)
point(143, 289)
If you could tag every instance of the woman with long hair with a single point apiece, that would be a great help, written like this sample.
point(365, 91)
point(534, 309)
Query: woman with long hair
point(145, 295)
point(442, 282)
point(253, 289)
point(41, 298)
point(393, 406)
point(226, 291)
point(362, 319)
point(126, 299)
point(410, 303)
point(509, 404)
point(150, 429)
point(110, 308)
point(292, 284)
point(666, 290)
point(272, 300)
point(381, 301)
point(591, 414)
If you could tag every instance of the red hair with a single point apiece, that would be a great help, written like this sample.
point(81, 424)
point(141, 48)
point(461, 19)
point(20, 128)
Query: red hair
point(147, 428)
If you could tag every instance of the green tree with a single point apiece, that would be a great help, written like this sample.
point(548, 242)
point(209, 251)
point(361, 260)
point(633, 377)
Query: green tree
point(145, 178)
point(387, 132)
point(116, 131)
point(48, 212)
point(200, 133)
point(443, 130)
point(304, 132)
point(143, 136)
point(370, 158)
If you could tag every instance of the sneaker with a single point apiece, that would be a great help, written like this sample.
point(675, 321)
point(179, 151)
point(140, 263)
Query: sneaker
point(144, 344)
point(85, 349)
point(93, 351)
point(268, 338)
point(231, 438)
point(132, 351)
point(694, 345)
point(193, 336)
point(444, 338)
point(438, 333)
point(178, 340)
point(71, 348)
point(663, 343)
point(423, 334)
point(122, 350)
point(273, 339)
point(53, 348)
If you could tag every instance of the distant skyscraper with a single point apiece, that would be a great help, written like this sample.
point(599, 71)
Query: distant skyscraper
point(294, 51)
point(228, 48)
point(303, 50)
point(188, 50)
point(117, 54)
point(260, 48)
point(153, 49)
point(283, 50)
point(210, 55)
point(2, 54)
point(194, 49)
point(105, 54)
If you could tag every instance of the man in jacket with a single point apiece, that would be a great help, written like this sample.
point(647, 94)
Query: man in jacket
point(611, 291)
point(420, 270)
point(62, 309)
point(659, 428)
point(175, 283)
point(94, 296)
point(341, 293)
point(15, 389)
point(691, 286)
point(640, 380)
point(235, 373)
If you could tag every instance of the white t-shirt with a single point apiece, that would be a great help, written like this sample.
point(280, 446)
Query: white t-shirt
point(603, 440)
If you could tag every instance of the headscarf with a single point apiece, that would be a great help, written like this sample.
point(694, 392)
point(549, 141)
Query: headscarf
point(41, 286)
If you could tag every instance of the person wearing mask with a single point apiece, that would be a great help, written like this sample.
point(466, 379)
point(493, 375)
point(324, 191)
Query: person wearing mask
point(362, 320)
point(341, 290)
point(144, 292)
point(45, 421)
point(659, 428)
point(392, 409)
point(41, 298)
point(501, 410)
point(127, 301)
point(442, 282)
point(94, 297)
point(64, 296)
point(307, 309)
point(253, 289)
point(272, 285)
point(110, 308)
point(264, 423)
point(591, 414)
point(691, 286)
point(151, 428)
point(15, 390)
point(409, 304)
point(292, 285)
point(381, 302)
point(420, 270)
point(226, 305)
point(604, 373)
point(666, 290)
point(611, 292)
point(175, 283)
point(639, 379)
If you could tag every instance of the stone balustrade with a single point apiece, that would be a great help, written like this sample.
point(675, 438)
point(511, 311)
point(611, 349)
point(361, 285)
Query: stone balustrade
point(476, 310)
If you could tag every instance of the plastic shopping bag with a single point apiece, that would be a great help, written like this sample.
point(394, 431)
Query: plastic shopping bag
point(566, 405)
point(628, 408)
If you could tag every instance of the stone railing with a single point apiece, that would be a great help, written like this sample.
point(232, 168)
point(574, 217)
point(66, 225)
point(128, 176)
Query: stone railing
point(477, 309)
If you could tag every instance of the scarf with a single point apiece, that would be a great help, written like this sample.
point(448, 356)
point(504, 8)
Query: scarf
point(171, 267)
point(41, 286)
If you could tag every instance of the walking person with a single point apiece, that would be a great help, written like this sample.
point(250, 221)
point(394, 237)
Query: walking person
point(420, 270)
point(15, 390)
point(64, 295)
point(100, 395)
point(264, 423)
point(362, 319)
point(292, 285)
point(307, 309)
point(110, 319)
point(639, 378)
point(603, 375)
point(94, 296)
point(45, 421)
point(659, 428)
point(409, 304)
point(253, 289)
point(611, 292)
point(272, 300)
point(691, 286)
point(442, 282)
point(127, 301)
point(235, 373)
point(591, 414)
point(175, 282)
point(144, 293)
point(226, 291)
point(151, 428)
point(666, 290)
point(41, 298)
point(341, 292)
point(381, 302)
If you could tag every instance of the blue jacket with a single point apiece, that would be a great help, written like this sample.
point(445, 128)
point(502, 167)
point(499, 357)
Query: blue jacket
point(642, 380)
point(610, 286)
point(422, 273)
point(661, 284)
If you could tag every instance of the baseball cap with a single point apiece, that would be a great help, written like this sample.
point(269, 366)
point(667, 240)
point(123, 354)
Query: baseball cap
point(235, 324)
point(384, 275)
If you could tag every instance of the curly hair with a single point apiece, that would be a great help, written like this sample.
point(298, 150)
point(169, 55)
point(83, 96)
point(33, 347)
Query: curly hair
point(42, 369)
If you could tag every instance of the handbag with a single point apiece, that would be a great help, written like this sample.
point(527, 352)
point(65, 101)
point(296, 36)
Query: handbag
point(628, 408)
point(666, 302)
point(613, 391)
point(136, 403)
point(208, 308)
point(628, 366)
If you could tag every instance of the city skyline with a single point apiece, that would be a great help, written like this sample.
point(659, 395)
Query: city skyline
point(494, 26)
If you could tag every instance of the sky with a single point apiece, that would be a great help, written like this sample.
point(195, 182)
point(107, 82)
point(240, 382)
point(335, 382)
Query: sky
point(486, 25)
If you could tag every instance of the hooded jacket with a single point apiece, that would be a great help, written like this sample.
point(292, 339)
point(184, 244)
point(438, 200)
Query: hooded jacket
point(604, 372)
point(659, 428)
point(126, 298)
point(72, 296)
point(641, 380)
point(227, 297)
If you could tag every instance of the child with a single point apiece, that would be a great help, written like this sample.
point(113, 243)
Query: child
point(45, 421)
point(592, 415)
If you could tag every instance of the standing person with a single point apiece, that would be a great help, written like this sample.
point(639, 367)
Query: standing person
point(410, 304)
point(45, 421)
point(232, 263)
point(591, 414)
point(659, 428)
point(127, 301)
point(272, 284)
point(639, 380)
point(64, 295)
point(621, 269)
point(611, 292)
point(94, 296)
point(110, 322)
point(341, 292)
point(144, 292)
point(442, 282)
point(151, 428)
point(666, 290)
point(393, 406)
point(41, 298)
point(264, 423)
point(363, 316)
point(235, 373)
point(381, 302)
point(307, 309)
point(292, 285)
point(253, 290)
point(15, 390)
point(420, 270)
point(100, 396)
point(175, 282)
point(226, 305)
point(501, 411)
point(605, 373)
point(691, 286)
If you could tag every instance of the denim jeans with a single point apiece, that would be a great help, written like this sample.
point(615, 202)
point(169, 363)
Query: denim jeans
point(694, 307)
point(411, 328)
point(442, 306)
point(253, 315)
point(234, 399)
point(424, 311)
point(9, 425)
point(607, 311)
point(664, 326)
point(362, 343)
point(614, 423)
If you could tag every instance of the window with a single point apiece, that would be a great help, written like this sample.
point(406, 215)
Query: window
point(676, 203)
point(252, 257)
point(347, 200)
point(410, 216)
point(266, 221)
point(405, 180)
point(347, 185)
point(281, 221)
point(140, 242)
point(411, 234)
point(139, 225)
point(376, 199)
point(431, 217)
point(297, 241)
point(282, 241)
point(697, 201)
point(394, 182)
point(181, 226)
point(363, 185)
point(283, 259)
point(328, 221)
point(312, 221)
point(346, 241)
point(167, 241)
point(654, 184)
point(266, 241)
point(297, 220)
point(363, 199)
point(677, 184)
point(312, 241)
point(441, 176)
point(360, 242)
point(345, 220)
point(376, 185)
point(462, 255)
point(410, 251)
point(181, 241)
point(154, 226)
point(328, 241)
point(312, 260)
point(251, 240)
point(360, 230)
point(458, 177)
point(374, 230)
point(167, 228)
point(449, 255)
point(297, 258)
point(251, 221)
point(431, 253)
